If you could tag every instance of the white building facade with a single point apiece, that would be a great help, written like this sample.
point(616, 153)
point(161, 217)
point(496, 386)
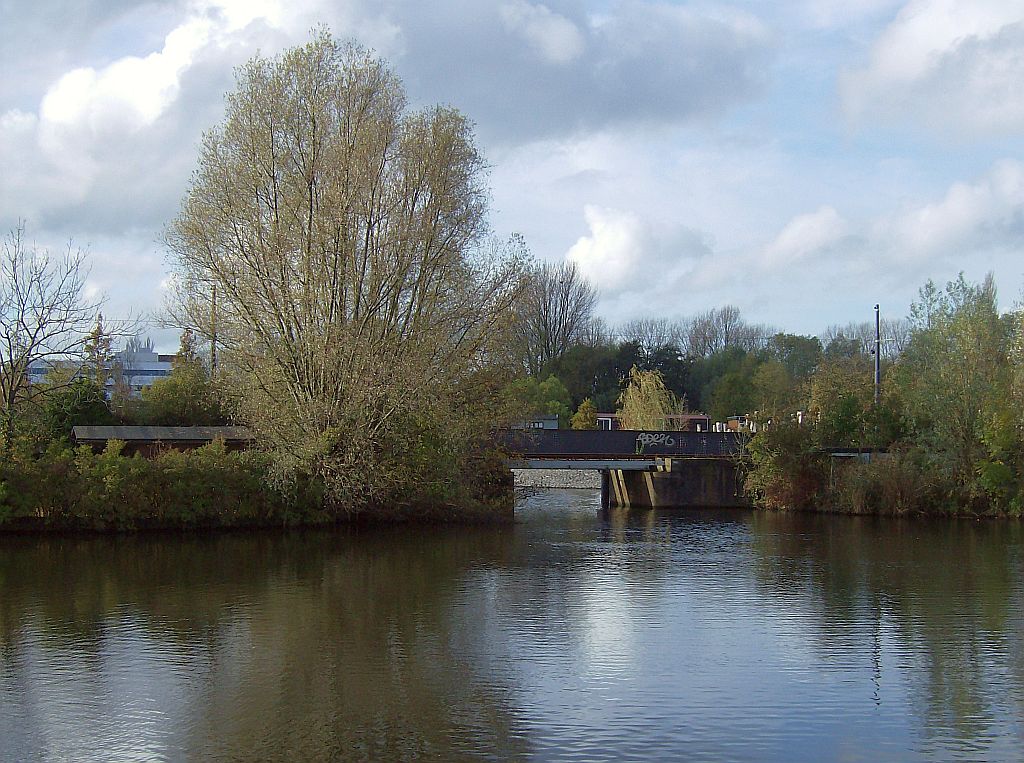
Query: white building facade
point(136, 367)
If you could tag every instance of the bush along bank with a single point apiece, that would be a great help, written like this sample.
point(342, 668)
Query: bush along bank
point(77, 489)
point(948, 414)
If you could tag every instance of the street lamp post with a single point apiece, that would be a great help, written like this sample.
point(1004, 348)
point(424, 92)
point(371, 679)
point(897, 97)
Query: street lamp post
point(878, 358)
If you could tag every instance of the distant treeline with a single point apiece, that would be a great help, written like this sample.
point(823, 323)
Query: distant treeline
point(949, 414)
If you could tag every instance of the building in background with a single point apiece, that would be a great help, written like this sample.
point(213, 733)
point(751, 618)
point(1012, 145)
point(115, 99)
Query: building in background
point(137, 366)
point(676, 422)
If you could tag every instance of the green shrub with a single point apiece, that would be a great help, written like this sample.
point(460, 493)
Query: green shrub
point(206, 487)
point(786, 469)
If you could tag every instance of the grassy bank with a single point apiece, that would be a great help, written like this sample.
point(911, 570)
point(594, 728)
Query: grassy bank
point(76, 489)
point(789, 470)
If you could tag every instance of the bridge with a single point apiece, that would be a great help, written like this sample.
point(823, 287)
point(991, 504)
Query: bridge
point(639, 468)
point(656, 469)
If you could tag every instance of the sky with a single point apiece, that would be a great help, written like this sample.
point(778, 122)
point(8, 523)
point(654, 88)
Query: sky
point(799, 159)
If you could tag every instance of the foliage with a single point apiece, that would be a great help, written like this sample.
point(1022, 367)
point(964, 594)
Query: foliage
point(589, 372)
point(98, 354)
point(787, 468)
point(843, 347)
point(733, 364)
point(841, 394)
point(891, 483)
point(956, 380)
point(345, 237)
point(209, 487)
point(772, 389)
point(799, 355)
point(79, 402)
point(534, 397)
point(646, 402)
point(949, 416)
point(184, 398)
point(585, 416)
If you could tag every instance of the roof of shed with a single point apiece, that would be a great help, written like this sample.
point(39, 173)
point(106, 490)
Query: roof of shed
point(160, 434)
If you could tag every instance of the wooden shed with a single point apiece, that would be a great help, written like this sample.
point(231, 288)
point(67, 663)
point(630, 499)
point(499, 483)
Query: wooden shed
point(151, 440)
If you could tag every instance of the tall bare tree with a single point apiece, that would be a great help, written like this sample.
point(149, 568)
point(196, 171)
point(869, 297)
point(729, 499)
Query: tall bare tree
point(554, 313)
point(721, 328)
point(860, 337)
point(596, 334)
point(653, 334)
point(44, 318)
point(343, 236)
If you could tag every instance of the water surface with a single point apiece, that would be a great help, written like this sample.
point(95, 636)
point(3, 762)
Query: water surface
point(572, 635)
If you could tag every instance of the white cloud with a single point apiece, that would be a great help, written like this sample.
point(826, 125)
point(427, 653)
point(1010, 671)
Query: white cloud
point(644, 267)
point(527, 70)
point(604, 132)
point(819, 263)
point(556, 38)
point(129, 94)
point(610, 256)
point(805, 236)
point(975, 226)
point(238, 14)
point(980, 217)
point(956, 65)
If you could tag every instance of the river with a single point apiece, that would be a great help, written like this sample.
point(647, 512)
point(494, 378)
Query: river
point(571, 635)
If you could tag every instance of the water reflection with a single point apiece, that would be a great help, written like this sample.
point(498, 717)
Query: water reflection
point(315, 646)
point(938, 604)
point(575, 634)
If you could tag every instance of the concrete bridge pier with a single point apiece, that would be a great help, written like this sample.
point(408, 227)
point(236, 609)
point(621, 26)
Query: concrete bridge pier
point(675, 483)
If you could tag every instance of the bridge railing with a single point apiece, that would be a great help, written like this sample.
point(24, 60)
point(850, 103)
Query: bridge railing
point(569, 443)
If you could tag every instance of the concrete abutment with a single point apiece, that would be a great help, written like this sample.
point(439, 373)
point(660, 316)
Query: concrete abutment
point(677, 483)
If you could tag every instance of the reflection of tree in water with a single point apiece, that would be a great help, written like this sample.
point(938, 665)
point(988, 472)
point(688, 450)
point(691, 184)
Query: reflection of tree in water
point(309, 646)
point(950, 593)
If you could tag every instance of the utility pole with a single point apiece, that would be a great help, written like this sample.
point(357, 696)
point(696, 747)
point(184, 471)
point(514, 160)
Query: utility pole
point(878, 358)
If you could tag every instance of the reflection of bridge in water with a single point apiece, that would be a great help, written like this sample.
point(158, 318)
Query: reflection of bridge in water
point(654, 469)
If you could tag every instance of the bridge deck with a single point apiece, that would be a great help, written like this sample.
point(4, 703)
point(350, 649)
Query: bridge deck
point(624, 464)
point(619, 449)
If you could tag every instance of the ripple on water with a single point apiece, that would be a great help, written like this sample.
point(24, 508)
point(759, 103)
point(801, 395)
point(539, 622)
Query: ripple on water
point(574, 635)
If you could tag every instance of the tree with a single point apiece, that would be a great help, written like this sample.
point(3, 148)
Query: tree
point(553, 314)
point(773, 388)
point(585, 372)
point(646, 402)
point(856, 338)
point(799, 355)
point(734, 393)
point(841, 396)
point(585, 416)
point(98, 354)
point(186, 397)
point(44, 317)
point(721, 329)
point(548, 397)
point(359, 312)
point(842, 346)
point(652, 335)
point(955, 377)
point(74, 401)
point(733, 365)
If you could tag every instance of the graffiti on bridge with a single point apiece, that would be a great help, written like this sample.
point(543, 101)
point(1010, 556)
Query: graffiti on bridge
point(644, 439)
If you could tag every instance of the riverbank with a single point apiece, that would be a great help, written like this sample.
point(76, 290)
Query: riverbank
point(78, 490)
